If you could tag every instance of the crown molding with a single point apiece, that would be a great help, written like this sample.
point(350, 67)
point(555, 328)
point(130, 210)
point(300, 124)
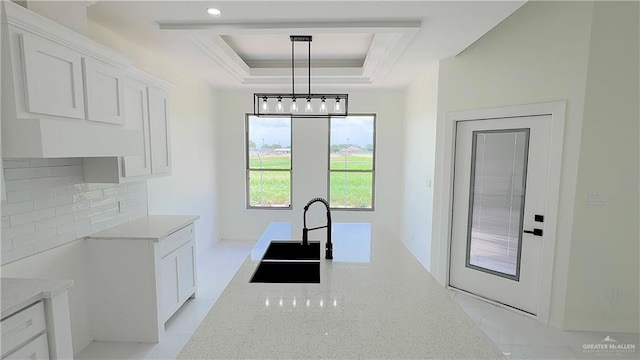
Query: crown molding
point(390, 39)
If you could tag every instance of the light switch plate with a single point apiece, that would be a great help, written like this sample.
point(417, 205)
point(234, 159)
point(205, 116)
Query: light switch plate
point(597, 198)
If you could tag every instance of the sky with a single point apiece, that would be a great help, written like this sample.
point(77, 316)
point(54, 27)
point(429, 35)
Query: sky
point(357, 130)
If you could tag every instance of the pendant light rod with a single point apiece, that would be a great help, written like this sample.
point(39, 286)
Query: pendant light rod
point(293, 68)
point(309, 67)
point(294, 39)
point(261, 103)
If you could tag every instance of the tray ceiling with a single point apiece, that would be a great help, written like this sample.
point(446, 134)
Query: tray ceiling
point(368, 43)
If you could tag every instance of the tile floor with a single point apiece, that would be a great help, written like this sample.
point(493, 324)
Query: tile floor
point(518, 337)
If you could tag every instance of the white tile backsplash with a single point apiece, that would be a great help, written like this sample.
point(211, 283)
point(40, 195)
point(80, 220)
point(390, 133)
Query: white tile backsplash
point(49, 204)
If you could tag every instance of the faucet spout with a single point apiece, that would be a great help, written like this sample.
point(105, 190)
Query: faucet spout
point(305, 230)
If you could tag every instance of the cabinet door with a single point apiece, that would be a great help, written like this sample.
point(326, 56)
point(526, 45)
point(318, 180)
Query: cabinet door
point(170, 289)
point(186, 271)
point(53, 78)
point(136, 117)
point(37, 349)
point(103, 92)
point(159, 131)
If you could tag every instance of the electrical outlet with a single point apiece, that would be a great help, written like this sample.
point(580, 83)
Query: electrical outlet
point(597, 198)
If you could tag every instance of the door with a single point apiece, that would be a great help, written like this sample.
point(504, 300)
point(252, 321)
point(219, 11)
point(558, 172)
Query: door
point(170, 285)
point(500, 188)
point(186, 271)
point(103, 92)
point(135, 100)
point(159, 131)
point(53, 78)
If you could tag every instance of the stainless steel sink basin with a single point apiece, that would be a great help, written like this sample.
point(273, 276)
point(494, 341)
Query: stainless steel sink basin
point(289, 262)
point(290, 250)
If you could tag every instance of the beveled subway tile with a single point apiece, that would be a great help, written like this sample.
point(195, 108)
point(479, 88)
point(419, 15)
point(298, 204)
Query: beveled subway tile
point(25, 195)
point(32, 216)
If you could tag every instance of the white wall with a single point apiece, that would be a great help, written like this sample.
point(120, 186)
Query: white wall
point(191, 189)
point(543, 53)
point(310, 143)
point(602, 286)
point(421, 110)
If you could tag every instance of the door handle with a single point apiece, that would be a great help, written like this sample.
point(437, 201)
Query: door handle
point(536, 232)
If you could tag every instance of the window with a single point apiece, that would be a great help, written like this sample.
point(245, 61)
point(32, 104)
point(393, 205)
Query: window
point(268, 142)
point(352, 162)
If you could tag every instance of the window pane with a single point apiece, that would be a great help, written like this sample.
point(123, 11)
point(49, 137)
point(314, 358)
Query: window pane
point(351, 189)
point(269, 143)
point(497, 186)
point(270, 188)
point(352, 142)
point(345, 160)
point(270, 159)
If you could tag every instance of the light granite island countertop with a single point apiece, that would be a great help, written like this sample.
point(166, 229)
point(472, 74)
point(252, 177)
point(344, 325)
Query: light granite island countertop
point(374, 300)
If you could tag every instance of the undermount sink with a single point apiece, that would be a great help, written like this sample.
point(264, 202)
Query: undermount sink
point(289, 262)
point(287, 272)
point(292, 250)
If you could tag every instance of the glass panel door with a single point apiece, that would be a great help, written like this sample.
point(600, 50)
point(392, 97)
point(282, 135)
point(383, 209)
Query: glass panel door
point(496, 202)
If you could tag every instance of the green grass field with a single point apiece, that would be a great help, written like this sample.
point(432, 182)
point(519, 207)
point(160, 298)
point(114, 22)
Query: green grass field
point(348, 189)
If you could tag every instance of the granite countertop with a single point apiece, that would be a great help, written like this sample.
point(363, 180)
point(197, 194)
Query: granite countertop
point(151, 227)
point(374, 300)
point(18, 293)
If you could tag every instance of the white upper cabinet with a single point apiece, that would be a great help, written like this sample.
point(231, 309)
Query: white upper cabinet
point(104, 90)
point(135, 102)
point(63, 95)
point(159, 131)
point(53, 78)
point(146, 106)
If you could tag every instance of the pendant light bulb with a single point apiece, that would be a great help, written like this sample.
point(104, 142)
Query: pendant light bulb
point(265, 106)
point(279, 104)
point(309, 108)
point(323, 105)
point(337, 104)
point(294, 106)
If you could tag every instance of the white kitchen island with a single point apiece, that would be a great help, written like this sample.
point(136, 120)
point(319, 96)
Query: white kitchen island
point(374, 300)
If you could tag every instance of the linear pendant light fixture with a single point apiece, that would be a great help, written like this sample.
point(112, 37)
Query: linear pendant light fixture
point(300, 105)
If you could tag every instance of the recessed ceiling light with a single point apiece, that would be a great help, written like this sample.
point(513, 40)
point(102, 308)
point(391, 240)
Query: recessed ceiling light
point(213, 11)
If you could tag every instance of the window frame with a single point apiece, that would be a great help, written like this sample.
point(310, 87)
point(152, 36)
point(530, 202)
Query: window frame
point(248, 168)
point(373, 166)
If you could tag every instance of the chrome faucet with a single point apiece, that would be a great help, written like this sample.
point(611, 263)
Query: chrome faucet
point(305, 231)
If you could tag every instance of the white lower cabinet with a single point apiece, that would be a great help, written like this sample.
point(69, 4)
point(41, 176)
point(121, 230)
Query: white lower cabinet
point(137, 283)
point(178, 278)
point(37, 348)
point(36, 323)
point(20, 330)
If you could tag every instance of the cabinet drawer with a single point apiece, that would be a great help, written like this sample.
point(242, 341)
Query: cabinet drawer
point(22, 326)
point(37, 348)
point(175, 240)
